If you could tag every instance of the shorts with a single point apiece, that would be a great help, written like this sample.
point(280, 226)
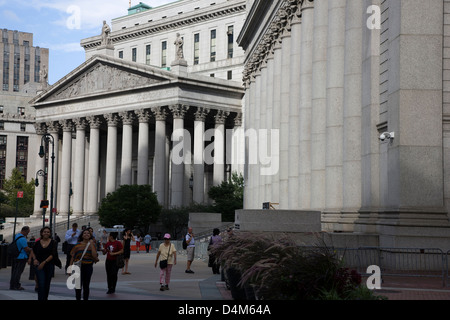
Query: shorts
point(190, 253)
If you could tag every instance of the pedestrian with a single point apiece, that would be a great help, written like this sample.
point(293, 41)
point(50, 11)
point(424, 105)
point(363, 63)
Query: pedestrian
point(112, 249)
point(137, 239)
point(168, 253)
point(86, 252)
point(104, 239)
point(214, 240)
point(147, 241)
point(190, 250)
point(71, 238)
point(18, 263)
point(127, 236)
point(45, 255)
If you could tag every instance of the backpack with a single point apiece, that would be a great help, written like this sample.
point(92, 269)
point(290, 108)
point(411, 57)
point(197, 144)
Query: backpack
point(12, 249)
point(184, 243)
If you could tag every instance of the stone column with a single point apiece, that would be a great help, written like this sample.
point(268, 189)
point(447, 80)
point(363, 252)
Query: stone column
point(352, 112)
point(199, 145)
point(160, 163)
point(179, 143)
point(335, 107)
point(111, 153)
point(142, 175)
point(319, 105)
point(66, 167)
point(40, 165)
point(219, 147)
point(94, 158)
point(79, 170)
point(127, 148)
point(53, 129)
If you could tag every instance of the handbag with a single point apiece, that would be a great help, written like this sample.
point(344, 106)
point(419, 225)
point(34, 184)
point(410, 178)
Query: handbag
point(163, 263)
point(78, 263)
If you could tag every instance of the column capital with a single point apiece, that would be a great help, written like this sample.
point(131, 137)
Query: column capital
point(143, 115)
point(238, 120)
point(40, 128)
point(94, 122)
point(80, 123)
point(179, 110)
point(66, 125)
point(201, 114)
point(221, 116)
point(52, 127)
point(127, 117)
point(112, 119)
point(160, 113)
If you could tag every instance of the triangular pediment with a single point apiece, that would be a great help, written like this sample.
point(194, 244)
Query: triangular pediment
point(104, 75)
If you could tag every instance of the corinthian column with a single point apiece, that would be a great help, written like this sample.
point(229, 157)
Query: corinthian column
point(94, 157)
point(66, 166)
point(178, 159)
point(199, 166)
point(78, 183)
point(219, 147)
point(127, 147)
point(144, 117)
point(111, 153)
point(159, 184)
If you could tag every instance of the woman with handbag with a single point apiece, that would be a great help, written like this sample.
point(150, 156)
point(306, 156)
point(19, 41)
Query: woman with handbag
point(84, 255)
point(168, 255)
point(45, 254)
point(114, 254)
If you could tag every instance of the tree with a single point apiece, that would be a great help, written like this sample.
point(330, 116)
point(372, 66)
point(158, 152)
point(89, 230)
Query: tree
point(17, 182)
point(229, 196)
point(131, 206)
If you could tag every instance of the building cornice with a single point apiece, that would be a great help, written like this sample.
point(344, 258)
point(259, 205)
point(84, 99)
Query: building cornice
point(167, 24)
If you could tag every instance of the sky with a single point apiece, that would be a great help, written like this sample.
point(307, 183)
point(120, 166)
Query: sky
point(59, 25)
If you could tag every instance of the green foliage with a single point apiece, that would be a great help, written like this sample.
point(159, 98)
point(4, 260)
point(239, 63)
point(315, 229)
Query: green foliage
point(228, 197)
point(15, 183)
point(131, 206)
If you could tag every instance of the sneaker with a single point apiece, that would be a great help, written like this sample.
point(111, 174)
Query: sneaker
point(189, 271)
point(163, 287)
point(166, 287)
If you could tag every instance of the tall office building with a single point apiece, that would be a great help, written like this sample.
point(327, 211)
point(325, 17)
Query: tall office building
point(22, 69)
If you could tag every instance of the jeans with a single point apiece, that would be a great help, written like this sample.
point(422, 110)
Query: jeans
point(17, 267)
point(44, 277)
point(86, 271)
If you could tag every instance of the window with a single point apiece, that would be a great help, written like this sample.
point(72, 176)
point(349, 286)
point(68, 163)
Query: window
point(213, 46)
point(1, 109)
point(37, 65)
point(164, 54)
point(22, 155)
point(120, 54)
point(16, 68)
point(196, 48)
point(26, 76)
point(2, 160)
point(230, 75)
point(6, 67)
point(23, 127)
point(134, 54)
point(21, 111)
point(230, 34)
point(2, 125)
point(148, 53)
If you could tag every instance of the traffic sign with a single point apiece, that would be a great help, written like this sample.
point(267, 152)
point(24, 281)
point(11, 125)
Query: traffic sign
point(19, 194)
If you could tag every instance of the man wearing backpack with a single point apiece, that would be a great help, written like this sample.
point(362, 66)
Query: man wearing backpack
point(18, 263)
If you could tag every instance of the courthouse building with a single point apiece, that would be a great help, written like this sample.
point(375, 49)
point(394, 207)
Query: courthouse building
point(335, 76)
point(152, 85)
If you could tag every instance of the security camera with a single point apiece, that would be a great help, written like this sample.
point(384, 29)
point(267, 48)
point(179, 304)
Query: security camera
point(387, 135)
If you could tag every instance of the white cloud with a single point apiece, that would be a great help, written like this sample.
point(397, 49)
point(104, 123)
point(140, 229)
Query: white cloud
point(10, 15)
point(67, 47)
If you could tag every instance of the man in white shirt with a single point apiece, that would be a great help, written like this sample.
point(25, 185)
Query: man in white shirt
point(190, 250)
point(72, 239)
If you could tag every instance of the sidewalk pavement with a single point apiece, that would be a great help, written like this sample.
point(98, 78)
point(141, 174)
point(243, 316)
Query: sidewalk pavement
point(141, 284)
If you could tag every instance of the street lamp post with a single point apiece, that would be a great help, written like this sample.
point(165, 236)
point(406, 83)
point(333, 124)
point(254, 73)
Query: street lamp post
point(49, 138)
point(41, 173)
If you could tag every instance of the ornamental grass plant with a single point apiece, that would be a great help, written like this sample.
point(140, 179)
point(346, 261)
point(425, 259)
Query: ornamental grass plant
point(277, 268)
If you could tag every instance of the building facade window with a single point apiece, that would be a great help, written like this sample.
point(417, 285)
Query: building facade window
point(37, 65)
point(21, 111)
point(213, 46)
point(134, 54)
point(230, 34)
point(230, 75)
point(196, 48)
point(22, 155)
point(6, 67)
point(16, 67)
point(148, 54)
point(120, 54)
point(27, 66)
point(164, 54)
point(3, 140)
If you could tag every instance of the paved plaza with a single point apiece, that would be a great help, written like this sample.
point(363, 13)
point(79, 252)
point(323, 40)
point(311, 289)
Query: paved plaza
point(141, 284)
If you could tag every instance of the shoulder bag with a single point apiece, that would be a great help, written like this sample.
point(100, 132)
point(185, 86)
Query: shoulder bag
point(163, 263)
